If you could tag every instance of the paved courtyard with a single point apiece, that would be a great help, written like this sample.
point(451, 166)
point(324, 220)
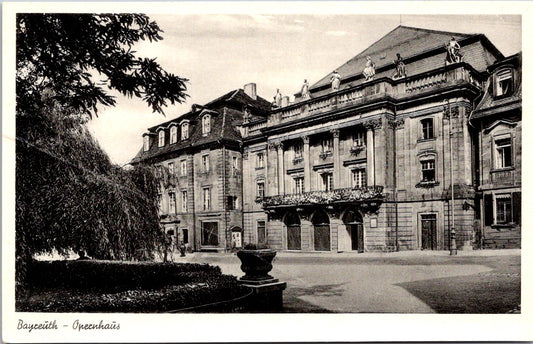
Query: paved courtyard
point(403, 282)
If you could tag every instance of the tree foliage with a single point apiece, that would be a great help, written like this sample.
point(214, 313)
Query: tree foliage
point(69, 196)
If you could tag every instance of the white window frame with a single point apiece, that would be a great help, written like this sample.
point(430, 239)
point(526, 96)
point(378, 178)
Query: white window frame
point(503, 196)
point(359, 138)
point(173, 134)
point(262, 188)
point(499, 155)
point(161, 138)
point(205, 163)
point(359, 177)
point(207, 198)
point(260, 160)
point(327, 181)
point(427, 162)
point(184, 130)
point(502, 75)
point(184, 201)
point(183, 167)
point(298, 184)
point(146, 143)
point(172, 202)
point(206, 125)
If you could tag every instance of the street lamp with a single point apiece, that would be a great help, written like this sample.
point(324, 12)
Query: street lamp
point(453, 244)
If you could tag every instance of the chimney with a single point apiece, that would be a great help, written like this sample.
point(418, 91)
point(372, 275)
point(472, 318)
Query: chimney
point(251, 90)
point(285, 101)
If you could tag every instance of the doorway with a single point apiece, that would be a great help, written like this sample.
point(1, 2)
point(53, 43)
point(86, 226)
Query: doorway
point(354, 225)
point(321, 231)
point(294, 232)
point(429, 231)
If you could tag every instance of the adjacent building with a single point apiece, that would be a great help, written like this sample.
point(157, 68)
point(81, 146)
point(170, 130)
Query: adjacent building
point(408, 145)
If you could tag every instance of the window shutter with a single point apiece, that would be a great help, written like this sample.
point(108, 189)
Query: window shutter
point(488, 209)
point(517, 202)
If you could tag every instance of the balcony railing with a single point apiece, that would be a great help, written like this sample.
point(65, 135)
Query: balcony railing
point(456, 73)
point(323, 197)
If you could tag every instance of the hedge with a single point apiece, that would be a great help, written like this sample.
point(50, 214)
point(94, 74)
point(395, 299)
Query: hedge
point(113, 276)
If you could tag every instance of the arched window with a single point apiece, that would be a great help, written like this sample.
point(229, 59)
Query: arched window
point(185, 130)
point(206, 125)
point(294, 233)
point(173, 134)
point(161, 141)
point(321, 231)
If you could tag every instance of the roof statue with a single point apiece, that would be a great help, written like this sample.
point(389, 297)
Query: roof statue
point(335, 80)
point(370, 69)
point(400, 68)
point(277, 99)
point(305, 90)
point(452, 52)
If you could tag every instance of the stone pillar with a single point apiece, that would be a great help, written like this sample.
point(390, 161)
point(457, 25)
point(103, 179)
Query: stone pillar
point(307, 165)
point(281, 170)
point(271, 191)
point(369, 155)
point(336, 159)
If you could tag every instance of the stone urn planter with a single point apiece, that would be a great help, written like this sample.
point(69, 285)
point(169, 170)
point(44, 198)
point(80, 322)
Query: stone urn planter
point(256, 262)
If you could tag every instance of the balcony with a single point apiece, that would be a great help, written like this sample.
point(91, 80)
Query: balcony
point(324, 197)
point(382, 88)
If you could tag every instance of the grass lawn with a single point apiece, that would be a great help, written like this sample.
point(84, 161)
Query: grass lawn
point(497, 291)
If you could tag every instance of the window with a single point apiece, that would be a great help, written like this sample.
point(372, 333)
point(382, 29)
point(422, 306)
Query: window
point(428, 170)
point(327, 182)
point(206, 125)
point(185, 232)
point(185, 130)
point(427, 128)
point(327, 145)
point(359, 178)
point(146, 143)
point(298, 185)
point(260, 161)
point(261, 189)
point(172, 202)
point(298, 151)
point(207, 198)
point(235, 165)
point(161, 141)
point(261, 232)
point(503, 153)
point(173, 134)
point(210, 233)
point(232, 202)
point(184, 201)
point(205, 163)
point(171, 168)
point(183, 167)
point(503, 209)
point(358, 138)
point(504, 83)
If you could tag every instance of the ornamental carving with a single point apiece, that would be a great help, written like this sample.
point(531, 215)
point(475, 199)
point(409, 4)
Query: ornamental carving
point(373, 124)
point(305, 139)
point(335, 132)
point(245, 153)
point(397, 124)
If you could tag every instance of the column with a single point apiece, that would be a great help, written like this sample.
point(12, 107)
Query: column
point(369, 155)
point(307, 165)
point(281, 170)
point(336, 159)
point(271, 191)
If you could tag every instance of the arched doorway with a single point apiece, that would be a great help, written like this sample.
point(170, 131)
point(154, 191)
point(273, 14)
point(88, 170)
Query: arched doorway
point(294, 233)
point(354, 225)
point(321, 230)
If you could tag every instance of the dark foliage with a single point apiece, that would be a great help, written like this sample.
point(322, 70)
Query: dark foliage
point(96, 286)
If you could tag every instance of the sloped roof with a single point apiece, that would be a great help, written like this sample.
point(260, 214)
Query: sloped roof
point(407, 41)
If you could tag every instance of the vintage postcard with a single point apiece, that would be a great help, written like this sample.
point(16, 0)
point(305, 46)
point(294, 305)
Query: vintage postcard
point(265, 171)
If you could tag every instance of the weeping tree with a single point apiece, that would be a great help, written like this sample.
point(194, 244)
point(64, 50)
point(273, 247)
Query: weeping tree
point(69, 196)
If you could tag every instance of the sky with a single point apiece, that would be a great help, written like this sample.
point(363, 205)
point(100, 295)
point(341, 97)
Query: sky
point(220, 53)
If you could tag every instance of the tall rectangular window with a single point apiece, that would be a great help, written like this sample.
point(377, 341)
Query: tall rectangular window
point(232, 202)
point(185, 232)
point(261, 232)
point(235, 165)
point(171, 168)
point(327, 182)
point(205, 163)
point(161, 141)
point(359, 138)
point(298, 150)
point(172, 202)
point(207, 198)
point(146, 143)
point(504, 83)
point(173, 134)
point(427, 128)
point(428, 170)
point(210, 233)
point(503, 153)
point(261, 189)
point(184, 201)
point(359, 178)
point(183, 167)
point(327, 145)
point(260, 161)
point(206, 125)
point(299, 185)
point(184, 130)
point(503, 209)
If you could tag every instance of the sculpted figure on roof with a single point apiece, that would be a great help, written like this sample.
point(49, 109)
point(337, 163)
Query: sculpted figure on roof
point(400, 68)
point(277, 99)
point(452, 52)
point(305, 90)
point(335, 80)
point(370, 69)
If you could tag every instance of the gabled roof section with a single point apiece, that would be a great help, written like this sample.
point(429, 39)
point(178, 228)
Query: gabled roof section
point(405, 40)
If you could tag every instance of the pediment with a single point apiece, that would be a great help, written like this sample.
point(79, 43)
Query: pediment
point(500, 123)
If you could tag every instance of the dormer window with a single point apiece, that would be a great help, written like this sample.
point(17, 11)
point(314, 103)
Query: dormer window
point(146, 143)
point(173, 134)
point(185, 130)
point(161, 141)
point(206, 125)
point(504, 83)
